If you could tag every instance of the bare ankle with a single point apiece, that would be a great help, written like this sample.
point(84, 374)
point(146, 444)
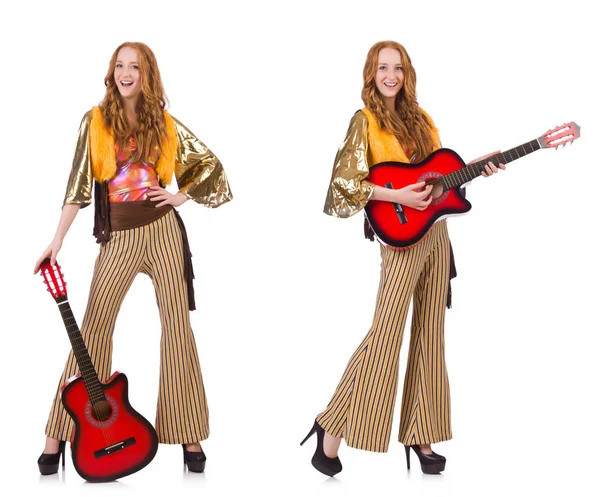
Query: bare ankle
point(425, 448)
point(331, 445)
point(193, 447)
point(51, 445)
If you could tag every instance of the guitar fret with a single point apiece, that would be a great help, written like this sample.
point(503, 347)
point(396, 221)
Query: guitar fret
point(84, 362)
point(94, 385)
point(465, 175)
point(455, 179)
point(469, 173)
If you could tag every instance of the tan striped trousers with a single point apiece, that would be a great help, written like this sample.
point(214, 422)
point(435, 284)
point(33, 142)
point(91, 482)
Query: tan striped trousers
point(362, 407)
point(156, 250)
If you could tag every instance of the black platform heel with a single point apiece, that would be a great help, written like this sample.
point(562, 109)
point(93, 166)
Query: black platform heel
point(48, 463)
point(195, 461)
point(431, 464)
point(329, 466)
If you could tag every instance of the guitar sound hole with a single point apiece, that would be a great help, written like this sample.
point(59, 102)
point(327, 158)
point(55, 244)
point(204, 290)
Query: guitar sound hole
point(101, 411)
point(437, 192)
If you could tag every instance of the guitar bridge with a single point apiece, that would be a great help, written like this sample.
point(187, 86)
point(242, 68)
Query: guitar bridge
point(397, 207)
point(114, 448)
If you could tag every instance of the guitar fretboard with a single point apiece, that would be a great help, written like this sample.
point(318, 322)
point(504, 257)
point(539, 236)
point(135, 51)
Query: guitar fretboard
point(90, 377)
point(469, 173)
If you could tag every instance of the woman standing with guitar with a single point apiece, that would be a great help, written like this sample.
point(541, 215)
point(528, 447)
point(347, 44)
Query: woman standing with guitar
point(392, 127)
point(129, 146)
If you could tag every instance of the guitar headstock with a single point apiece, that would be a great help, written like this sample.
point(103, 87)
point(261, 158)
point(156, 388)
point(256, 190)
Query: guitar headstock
point(53, 279)
point(561, 135)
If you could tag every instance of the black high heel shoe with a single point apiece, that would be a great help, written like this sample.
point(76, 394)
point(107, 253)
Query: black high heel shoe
point(327, 465)
point(431, 464)
point(48, 463)
point(196, 461)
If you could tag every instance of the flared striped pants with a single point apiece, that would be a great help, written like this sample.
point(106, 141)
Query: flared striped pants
point(156, 250)
point(362, 407)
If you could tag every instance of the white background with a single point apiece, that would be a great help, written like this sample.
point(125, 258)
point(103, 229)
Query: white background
point(285, 293)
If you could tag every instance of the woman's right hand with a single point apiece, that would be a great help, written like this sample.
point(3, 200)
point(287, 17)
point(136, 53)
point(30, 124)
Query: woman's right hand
point(51, 252)
point(410, 197)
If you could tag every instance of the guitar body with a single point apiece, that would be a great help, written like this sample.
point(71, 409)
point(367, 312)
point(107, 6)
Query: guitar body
point(382, 215)
point(121, 444)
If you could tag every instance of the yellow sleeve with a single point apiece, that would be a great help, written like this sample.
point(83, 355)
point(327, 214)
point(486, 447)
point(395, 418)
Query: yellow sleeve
point(79, 187)
point(349, 191)
point(199, 173)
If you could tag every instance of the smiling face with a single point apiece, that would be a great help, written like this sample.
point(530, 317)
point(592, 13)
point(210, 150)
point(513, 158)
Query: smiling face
point(127, 73)
point(390, 76)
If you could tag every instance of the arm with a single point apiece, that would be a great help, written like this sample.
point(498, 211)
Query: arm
point(78, 194)
point(349, 191)
point(66, 219)
point(199, 173)
point(408, 195)
point(79, 186)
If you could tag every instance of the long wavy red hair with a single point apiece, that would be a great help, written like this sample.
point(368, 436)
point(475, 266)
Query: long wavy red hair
point(408, 123)
point(151, 128)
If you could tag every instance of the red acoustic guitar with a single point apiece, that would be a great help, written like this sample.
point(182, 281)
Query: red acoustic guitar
point(111, 439)
point(402, 226)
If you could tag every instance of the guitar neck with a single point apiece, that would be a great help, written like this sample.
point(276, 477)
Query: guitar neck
point(472, 171)
point(90, 377)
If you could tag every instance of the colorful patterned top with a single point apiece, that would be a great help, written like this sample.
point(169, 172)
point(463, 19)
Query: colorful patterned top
point(133, 179)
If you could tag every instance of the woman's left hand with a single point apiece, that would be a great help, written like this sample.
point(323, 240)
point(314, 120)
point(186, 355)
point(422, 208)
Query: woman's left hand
point(489, 168)
point(161, 195)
